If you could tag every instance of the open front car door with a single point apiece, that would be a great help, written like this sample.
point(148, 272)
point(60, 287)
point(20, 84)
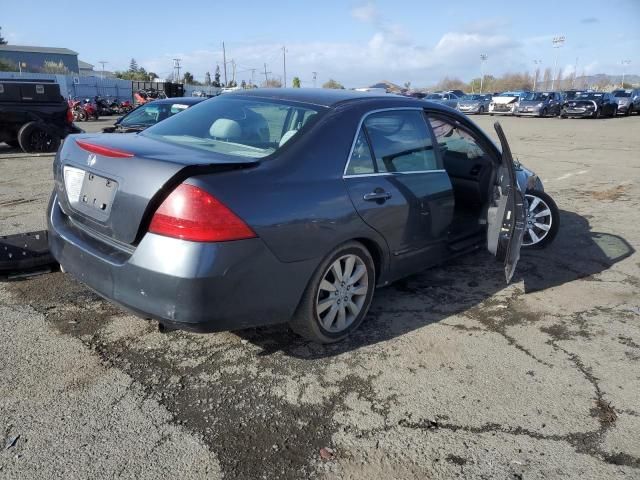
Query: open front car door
point(507, 213)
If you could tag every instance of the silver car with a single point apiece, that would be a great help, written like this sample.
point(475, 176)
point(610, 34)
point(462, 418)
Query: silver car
point(474, 103)
point(448, 99)
point(628, 100)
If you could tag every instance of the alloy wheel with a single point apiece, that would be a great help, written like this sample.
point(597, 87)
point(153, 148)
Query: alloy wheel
point(342, 293)
point(539, 221)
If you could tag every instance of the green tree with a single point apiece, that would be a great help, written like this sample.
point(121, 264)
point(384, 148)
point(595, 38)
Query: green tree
point(207, 79)
point(331, 83)
point(187, 77)
point(296, 82)
point(243, 84)
point(216, 77)
point(2, 40)
point(133, 65)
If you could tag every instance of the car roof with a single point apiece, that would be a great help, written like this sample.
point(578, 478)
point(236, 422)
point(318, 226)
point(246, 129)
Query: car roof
point(182, 100)
point(325, 97)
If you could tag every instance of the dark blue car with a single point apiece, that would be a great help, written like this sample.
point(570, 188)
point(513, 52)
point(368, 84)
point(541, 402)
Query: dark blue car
point(273, 206)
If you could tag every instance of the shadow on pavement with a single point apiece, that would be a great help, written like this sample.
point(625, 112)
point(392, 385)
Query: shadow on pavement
point(459, 285)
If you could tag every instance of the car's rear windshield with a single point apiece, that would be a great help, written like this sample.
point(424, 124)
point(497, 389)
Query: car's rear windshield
point(236, 126)
point(435, 96)
point(473, 97)
point(621, 94)
point(152, 113)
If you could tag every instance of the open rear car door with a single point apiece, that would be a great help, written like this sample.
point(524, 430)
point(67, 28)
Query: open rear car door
point(507, 214)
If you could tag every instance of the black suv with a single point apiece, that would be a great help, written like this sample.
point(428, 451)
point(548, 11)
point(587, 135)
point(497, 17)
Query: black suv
point(34, 116)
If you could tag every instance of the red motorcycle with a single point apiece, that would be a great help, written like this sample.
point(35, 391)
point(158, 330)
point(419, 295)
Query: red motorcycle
point(125, 107)
point(83, 110)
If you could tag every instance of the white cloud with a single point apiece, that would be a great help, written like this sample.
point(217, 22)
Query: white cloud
point(389, 53)
point(366, 13)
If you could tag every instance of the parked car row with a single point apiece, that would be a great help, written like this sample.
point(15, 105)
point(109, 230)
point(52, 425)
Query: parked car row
point(571, 103)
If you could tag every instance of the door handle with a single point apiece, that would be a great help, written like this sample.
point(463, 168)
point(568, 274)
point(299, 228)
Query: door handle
point(375, 196)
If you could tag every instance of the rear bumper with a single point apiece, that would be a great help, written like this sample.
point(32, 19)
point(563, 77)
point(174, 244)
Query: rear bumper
point(187, 285)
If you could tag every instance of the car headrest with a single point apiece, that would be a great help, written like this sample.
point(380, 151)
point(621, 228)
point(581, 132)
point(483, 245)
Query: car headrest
point(286, 137)
point(225, 128)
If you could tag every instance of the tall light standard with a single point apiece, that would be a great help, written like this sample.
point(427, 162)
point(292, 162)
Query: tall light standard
point(625, 63)
point(557, 43)
point(535, 78)
point(102, 62)
point(483, 58)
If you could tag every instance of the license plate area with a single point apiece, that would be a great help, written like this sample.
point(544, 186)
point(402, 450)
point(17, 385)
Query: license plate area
point(89, 193)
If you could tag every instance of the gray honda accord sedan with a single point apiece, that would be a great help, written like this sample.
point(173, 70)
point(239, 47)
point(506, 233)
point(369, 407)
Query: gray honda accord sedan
point(273, 206)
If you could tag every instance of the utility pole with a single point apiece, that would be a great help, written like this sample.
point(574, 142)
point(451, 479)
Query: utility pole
point(575, 74)
point(284, 65)
point(266, 77)
point(557, 43)
point(102, 62)
point(176, 69)
point(535, 78)
point(625, 63)
point(483, 58)
point(253, 74)
point(233, 65)
point(315, 77)
point(224, 63)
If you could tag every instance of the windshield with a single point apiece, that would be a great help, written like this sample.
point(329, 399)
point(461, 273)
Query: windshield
point(571, 95)
point(472, 97)
point(151, 113)
point(538, 96)
point(508, 94)
point(590, 96)
point(241, 127)
point(621, 94)
point(434, 96)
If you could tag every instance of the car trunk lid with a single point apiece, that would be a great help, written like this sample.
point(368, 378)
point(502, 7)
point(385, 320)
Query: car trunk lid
point(112, 184)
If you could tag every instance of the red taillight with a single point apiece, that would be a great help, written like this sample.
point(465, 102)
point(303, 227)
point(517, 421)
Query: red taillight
point(104, 151)
point(190, 213)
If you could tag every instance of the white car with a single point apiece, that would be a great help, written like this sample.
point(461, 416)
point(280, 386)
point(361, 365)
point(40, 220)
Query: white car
point(506, 103)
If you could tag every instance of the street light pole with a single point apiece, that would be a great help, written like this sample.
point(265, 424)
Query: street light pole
point(535, 78)
point(102, 62)
point(625, 63)
point(483, 58)
point(557, 43)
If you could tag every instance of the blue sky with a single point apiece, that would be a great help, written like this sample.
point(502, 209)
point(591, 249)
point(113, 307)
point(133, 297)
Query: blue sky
point(355, 42)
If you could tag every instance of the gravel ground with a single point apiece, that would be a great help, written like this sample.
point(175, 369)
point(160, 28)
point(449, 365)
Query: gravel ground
point(453, 374)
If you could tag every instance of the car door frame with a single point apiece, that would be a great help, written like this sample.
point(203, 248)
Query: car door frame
point(504, 243)
point(399, 264)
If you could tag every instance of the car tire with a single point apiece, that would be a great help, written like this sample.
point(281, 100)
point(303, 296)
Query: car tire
point(552, 221)
point(544, 112)
point(321, 315)
point(481, 110)
point(35, 139)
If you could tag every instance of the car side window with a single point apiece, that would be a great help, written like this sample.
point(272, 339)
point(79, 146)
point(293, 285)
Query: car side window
point(401, 141)
point(454, 141)
point(361, 161)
